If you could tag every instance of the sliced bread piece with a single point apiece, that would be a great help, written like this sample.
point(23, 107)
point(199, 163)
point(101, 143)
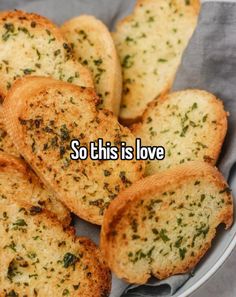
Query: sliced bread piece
point(150, 43)
point(190, 125)
point(40, 258)
point(32, 45)
point(93, 46)
point(42, 116)
point(18, 181)
point(165, 223)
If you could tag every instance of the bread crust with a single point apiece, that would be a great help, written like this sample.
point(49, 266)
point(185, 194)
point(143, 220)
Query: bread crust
point(136, 93)
point(26, 188)
point(87, 275)
point(145, 189)
point(99, 43)
point(109, 177)
point(6, 144)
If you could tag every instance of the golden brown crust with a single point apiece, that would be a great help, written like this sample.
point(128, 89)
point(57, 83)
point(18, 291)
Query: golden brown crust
point(93, 46)
point(116, 219)
point(86, 200)
point(102, 283)
point(6, 144)
point(25, 187)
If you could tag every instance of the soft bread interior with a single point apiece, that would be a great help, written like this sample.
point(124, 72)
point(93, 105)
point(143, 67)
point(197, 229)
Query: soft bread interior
point(150, 43)
point(190, 125)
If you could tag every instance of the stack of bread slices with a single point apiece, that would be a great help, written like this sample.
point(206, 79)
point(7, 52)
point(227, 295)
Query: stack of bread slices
point(82, 82)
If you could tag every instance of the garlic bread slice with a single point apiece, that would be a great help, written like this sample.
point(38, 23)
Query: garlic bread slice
point(40, 258)
point(150, 43)
point(32, 45)
point(18, 181)
point(94, 47)
point(42, 116)
point(190, 125)
point(165, 223)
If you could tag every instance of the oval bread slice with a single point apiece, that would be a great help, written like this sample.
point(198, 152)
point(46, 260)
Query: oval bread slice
point(150, 43)
point(39, 258)
point(18, 180)
point(165, 223)
point(190, 125)
point(42, 117)
point(93, 47)
point(32, 45)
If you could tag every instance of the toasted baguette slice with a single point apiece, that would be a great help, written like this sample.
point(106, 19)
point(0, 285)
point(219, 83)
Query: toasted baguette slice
point(43, 116)
point(93, 46)
point(39, 258)
point(165, 223)
point(190, 125)
point(150, 43)
point(31, 44)
point(17, 180)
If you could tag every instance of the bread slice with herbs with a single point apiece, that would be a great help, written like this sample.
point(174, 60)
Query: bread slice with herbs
point(190, 125)
point(40, 258)
point(32, 45)
point(150, 43)
point(19, 182)
point(42, 116)
point(165, 223)
point(93, 47)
